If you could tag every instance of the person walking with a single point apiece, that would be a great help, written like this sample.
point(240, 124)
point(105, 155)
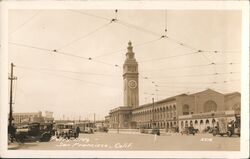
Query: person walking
point(77, 131)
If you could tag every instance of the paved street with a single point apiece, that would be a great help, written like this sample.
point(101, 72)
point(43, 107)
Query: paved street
point(114, 141)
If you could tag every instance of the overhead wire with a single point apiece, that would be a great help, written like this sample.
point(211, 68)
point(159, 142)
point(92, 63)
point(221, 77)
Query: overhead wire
point(77, 79)
point(211, 82)
point(189, 66)
point(197, 75)
point(88, 14)
point(64, 53)
point(168, 57)
point(166, 20)
point(84, 36)
point(135, 46)
point(25, 22)
point(67, 71)
point(128, 25)
point(225, 51)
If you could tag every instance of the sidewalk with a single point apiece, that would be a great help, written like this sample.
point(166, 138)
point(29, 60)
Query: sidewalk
point(13, 146)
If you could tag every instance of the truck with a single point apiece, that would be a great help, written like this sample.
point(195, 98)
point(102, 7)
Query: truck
point(66, 130)
point(34, 132)
point(229, 128)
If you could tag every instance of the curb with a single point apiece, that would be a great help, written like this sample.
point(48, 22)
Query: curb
point(13, 146)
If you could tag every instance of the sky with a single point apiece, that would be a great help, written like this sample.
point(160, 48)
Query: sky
point(70, 61)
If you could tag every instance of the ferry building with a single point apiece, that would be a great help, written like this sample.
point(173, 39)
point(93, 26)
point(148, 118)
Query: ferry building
point(200, 109)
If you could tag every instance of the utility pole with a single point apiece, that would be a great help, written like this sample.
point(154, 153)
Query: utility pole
point(11, 78)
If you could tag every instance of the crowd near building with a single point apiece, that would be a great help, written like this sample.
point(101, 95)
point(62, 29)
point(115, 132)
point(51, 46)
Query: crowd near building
point(199, 109)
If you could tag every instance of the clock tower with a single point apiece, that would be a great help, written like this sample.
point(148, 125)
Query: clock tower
point(130, 79)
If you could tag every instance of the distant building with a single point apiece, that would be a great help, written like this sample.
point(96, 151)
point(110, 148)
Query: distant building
point(32, 117)
point(170, 113)
point(48, 116)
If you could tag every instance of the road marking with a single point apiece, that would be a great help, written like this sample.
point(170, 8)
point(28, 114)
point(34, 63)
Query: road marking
point(206, 139)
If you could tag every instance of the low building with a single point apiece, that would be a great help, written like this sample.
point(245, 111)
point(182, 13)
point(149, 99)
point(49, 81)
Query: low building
point(27, 117)
point(173, 112)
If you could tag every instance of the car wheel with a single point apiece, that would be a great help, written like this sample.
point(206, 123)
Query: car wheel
point(214, 133)
point(20, 138)
point(229, 133)
point(46, 138)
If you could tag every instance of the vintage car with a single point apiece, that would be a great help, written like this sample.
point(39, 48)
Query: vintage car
point(155, 131)
point(189, 130)
point(34, 132)
point(228, 128)
point(66, 130)
point(103, 129)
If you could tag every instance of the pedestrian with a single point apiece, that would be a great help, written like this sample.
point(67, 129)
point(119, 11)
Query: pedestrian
point(77, 131)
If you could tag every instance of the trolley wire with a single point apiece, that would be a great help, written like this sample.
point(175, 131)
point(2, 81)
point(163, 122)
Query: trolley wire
point(67, 71)
point(85, 35)
point(198, 75)
point(76, 79)
point(168, 57)
point(190, 66)
point(91, 15)
point(25, 22)
point(134, 46)
point(64, 53)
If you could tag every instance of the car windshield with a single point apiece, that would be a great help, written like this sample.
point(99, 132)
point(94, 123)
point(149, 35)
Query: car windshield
point(68, 126)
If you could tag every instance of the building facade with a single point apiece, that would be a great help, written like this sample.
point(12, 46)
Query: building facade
point(32, 117)
point(170, 113)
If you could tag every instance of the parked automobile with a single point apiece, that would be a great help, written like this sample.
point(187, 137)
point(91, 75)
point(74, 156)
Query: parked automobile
point(227, 128)
point(103, 129)
point(155, 131)
point(189, 130)
point(66, 130)
point(34, 132)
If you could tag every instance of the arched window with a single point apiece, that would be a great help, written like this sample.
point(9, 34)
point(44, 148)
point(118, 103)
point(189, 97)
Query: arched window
point(207, 121)
point(210, 106)
point(191, 123)
point(185, 109)
point(195, 122)
point(201, 122)
point(174, 107)
point(186, 123)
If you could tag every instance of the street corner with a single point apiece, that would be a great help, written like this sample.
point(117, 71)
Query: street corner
point(14, 146)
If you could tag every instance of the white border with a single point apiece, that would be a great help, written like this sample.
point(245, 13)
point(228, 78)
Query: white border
point(178, 5)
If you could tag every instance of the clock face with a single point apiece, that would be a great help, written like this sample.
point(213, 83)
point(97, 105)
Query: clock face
point(132, 84)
